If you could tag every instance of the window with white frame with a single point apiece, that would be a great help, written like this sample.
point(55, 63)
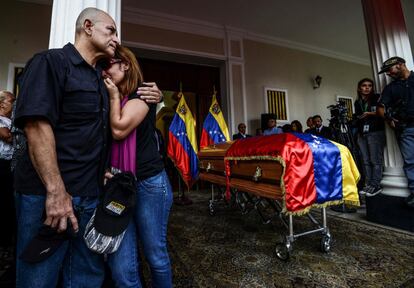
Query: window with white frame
point(349, 104)
point(276, 102)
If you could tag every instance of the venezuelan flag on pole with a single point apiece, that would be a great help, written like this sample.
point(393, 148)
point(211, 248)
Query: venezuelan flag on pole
point(214, 127)
point(182, 144)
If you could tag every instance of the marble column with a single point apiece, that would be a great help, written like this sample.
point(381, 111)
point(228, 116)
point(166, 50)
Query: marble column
point(387, 37)
point(65, 12)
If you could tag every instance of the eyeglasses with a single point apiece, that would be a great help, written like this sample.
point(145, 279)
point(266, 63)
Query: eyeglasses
point(114, 60)
point(108, 63)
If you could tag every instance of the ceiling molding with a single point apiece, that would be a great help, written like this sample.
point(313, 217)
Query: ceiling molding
point(171, 22)
point(305, 47)
point(181, 24)
point(173, 50)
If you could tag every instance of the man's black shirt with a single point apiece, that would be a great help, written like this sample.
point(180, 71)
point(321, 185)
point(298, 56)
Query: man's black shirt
point(399, 96)
point(59, 86)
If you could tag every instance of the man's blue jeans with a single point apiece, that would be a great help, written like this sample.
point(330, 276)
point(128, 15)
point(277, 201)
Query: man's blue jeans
point(406, 142)
point(80, 266)
point(154, 200)
point(371, 146)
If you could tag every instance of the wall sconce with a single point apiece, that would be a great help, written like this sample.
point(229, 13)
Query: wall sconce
point(317, 82)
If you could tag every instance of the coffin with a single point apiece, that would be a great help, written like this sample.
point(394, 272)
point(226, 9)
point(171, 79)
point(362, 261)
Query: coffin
point(302, 170)
point(259, 177)
point(298, 171)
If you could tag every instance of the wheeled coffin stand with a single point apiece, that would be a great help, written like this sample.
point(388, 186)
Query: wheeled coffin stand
point(262, 179)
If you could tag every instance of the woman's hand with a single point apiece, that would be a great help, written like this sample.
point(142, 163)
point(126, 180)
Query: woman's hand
point(108, 175)
point(150, 93)
point(112, 89)
point(5, 135)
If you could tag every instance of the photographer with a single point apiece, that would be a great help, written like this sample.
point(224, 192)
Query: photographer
point(397, 106)
point(370, 136)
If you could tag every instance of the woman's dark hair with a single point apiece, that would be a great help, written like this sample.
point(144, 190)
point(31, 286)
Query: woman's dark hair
point(360, 83)
point(287, 128)
point(298, 126)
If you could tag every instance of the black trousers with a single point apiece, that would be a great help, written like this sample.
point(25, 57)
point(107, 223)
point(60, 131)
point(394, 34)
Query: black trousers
point(7, 207)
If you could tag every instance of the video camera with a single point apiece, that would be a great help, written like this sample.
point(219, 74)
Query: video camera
point(339, 113)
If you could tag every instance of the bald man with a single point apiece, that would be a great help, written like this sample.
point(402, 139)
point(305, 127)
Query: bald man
point(63, 109)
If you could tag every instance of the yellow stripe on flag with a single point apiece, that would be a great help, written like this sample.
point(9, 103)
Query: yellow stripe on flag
point(350, 176)
point(190, 124)
point(215, 110)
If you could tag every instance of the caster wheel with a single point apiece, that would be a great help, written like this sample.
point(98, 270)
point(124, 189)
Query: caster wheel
point(326, 243)
point(283, 251)
point(211, 209)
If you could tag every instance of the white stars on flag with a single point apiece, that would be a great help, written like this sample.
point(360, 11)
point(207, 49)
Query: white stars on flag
point(217, 135)
point(181, 133)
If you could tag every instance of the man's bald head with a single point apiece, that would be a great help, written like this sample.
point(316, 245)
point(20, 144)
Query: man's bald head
point(96, 36)
point(90, 13)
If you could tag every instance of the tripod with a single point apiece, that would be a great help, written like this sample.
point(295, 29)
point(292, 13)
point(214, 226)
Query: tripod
point(342, 133)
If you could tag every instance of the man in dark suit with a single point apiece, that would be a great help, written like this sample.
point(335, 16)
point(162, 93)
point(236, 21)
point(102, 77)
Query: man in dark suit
point(319, 129)
point(242, 132)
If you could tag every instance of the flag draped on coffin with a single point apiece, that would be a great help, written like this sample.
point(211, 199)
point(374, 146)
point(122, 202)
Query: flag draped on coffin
point(214, 127)
point(182, 144)
point(317, 172)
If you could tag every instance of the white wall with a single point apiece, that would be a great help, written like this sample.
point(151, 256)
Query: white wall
point(278, 67)
point(25, 31)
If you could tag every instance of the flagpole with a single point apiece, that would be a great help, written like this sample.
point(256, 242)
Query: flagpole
point(181, 199)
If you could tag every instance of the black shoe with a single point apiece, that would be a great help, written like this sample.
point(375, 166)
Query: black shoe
point(373, 190)
point(364, 190)
point(409, 201)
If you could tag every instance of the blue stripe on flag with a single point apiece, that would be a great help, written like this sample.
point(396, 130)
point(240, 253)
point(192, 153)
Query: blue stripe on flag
point(213, 129)
point(178, 129)
point(327, 167)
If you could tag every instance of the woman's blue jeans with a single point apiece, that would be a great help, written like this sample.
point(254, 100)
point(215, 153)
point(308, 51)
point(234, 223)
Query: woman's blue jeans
point(149, 228)
point(80, 266)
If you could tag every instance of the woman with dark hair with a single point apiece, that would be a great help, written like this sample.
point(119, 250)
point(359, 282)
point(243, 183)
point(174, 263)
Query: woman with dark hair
point(131, 117)
point(296, 126)
point(370, 136)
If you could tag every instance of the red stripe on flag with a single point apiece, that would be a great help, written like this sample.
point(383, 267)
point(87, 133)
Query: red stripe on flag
point(205, 139)
point(180, 158)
